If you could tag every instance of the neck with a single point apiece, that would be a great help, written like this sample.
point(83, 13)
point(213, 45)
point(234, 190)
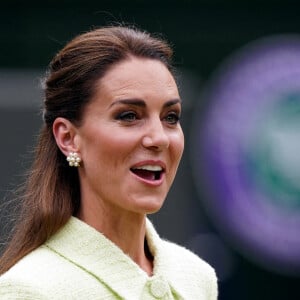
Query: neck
point(126, 230)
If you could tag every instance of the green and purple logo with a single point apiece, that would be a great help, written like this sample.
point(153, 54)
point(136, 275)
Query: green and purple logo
point(248, 152)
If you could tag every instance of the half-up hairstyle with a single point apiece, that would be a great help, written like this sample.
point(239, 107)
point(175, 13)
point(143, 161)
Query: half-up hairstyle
point(51, 192)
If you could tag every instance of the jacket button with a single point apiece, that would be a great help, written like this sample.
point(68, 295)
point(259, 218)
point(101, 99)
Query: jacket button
point(158, 288)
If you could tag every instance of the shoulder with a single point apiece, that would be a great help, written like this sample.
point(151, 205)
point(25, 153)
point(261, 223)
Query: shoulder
point(186, 259)
point(44, 274)
point(11, 288)
point(189, 274)
point(188, 271)
point(175, 254)
point(20, 282)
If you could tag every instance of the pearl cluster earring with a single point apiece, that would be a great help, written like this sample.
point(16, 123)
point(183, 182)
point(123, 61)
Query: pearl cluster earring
point(73, 159)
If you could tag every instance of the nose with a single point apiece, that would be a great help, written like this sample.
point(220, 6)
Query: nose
point(156, 137)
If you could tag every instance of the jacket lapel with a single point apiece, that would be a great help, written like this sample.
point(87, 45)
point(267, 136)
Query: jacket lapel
point(91, 251)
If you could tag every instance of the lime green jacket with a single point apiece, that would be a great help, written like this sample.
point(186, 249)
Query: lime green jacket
point(80, 263)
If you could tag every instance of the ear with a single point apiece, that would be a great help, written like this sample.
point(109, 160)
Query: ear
point(65, 135)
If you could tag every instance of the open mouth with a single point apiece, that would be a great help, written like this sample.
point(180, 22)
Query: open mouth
point(148, 172)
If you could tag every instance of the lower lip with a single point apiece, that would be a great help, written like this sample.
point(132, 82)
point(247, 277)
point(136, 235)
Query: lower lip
point(153, 183)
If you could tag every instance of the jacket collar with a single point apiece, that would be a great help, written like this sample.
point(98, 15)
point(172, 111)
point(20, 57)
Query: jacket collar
point(91, 251)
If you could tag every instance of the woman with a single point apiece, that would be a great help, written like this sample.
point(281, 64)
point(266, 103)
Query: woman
point(106, 157)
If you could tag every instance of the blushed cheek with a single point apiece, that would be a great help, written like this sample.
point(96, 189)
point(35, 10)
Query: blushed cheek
point(116, 151)
point(177, 151)
point(179, 146)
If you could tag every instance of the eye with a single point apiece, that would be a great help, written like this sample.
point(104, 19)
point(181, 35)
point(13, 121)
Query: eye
point(127, 116)
point(172, 118)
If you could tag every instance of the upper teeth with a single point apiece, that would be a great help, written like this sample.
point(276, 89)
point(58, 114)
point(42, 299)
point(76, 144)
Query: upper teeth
point(149, 168)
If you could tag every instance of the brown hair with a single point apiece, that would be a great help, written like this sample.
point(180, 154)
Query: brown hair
point(52, 193)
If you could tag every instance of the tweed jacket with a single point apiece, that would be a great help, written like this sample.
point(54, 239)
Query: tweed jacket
point(80, 263)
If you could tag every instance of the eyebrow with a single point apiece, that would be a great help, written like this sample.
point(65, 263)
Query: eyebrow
point(142, 103)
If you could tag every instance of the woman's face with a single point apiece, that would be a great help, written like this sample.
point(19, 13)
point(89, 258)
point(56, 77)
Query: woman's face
point(131, 140)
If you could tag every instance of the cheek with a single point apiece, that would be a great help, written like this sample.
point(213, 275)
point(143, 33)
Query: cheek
point(110, 146)
point(176, 152)
point(178, 146)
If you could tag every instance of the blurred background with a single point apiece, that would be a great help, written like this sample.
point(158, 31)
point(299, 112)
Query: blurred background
point(236, 199)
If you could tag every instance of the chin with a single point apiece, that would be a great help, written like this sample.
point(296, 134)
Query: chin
point(153, 210)
point(150, 206)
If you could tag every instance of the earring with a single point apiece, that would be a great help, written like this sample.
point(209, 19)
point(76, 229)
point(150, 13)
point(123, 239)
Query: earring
point(73, 159)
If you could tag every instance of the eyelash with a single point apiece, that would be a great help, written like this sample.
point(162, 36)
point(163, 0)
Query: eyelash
point(172, 118)
point(175, 116)
point(127, 116)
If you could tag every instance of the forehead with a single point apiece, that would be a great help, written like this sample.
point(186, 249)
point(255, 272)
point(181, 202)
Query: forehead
point(138, 77)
